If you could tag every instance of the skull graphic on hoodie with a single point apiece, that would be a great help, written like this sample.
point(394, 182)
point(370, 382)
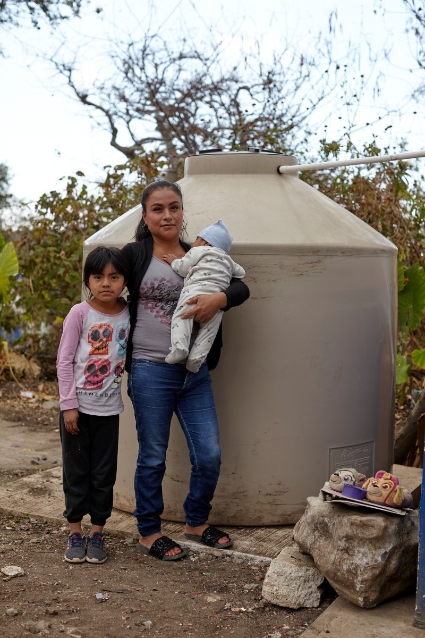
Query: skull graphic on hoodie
point(99, 337)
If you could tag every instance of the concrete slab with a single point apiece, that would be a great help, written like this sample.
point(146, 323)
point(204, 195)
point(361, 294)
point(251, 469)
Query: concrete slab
point(392, 619)
point(40, 496)
point(410, 477)
point(19, 444)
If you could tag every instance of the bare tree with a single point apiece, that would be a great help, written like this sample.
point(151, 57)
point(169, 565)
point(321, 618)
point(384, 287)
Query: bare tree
point(12, 11)
point(176, 100)
point(5, 195)
point(416, 23)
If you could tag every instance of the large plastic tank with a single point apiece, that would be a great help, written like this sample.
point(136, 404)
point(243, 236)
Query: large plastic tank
point(305, 383)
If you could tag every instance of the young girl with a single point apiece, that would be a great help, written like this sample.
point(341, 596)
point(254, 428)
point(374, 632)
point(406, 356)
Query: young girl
point(90, 365)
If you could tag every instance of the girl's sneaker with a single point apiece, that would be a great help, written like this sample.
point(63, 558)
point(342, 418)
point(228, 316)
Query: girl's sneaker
point(76, 550)
point(96, 548)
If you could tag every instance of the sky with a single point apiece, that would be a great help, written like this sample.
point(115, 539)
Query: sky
point(46, 135)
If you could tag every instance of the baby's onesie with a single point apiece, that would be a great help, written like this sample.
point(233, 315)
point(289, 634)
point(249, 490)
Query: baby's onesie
point(206, 270)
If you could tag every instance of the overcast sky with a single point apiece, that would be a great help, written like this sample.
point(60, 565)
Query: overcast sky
point(45, 134)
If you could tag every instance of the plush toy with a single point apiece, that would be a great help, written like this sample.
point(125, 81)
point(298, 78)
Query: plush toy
point(346, 476)
point(384, 488)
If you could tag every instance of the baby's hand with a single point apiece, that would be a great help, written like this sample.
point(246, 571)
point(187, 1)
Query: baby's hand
point(169, 258)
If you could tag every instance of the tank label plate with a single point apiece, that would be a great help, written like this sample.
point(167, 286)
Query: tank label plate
point(361, 457)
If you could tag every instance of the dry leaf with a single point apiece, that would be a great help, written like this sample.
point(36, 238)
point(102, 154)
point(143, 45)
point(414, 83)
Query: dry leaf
point(22, 366)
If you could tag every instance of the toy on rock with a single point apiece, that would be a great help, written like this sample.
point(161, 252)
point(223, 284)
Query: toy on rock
point(384, 488)
point(346, 476)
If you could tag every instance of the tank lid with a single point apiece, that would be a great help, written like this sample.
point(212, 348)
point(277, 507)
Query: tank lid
point(218, 162)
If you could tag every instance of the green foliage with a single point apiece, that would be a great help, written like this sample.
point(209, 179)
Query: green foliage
point(411, 299)
point(402, 370)
point(401, 280)
point(382, 195)
point(50, 242)
point(8, 267)
point(418, 358)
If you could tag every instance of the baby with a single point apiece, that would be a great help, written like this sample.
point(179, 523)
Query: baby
point(207, 268)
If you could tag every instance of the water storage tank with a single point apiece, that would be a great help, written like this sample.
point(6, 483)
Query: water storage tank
point(306, 379)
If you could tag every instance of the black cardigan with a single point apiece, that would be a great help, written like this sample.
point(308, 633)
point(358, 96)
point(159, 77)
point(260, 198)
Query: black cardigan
point(139, 255)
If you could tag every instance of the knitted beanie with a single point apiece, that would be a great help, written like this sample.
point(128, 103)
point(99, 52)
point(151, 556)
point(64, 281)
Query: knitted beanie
point(217, 235)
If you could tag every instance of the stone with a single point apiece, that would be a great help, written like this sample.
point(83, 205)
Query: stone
point(366, 556)
point(40, 627)
point(51, 405)
point(11, 571)
point(293, 580)
point(12, 611)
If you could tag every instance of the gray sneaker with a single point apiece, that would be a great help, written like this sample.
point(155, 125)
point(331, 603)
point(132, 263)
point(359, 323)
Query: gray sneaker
point(76, 550)
point(96, 548)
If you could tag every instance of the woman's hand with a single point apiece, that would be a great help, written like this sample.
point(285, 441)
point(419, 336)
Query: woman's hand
point(70, 419)
point(206, 306)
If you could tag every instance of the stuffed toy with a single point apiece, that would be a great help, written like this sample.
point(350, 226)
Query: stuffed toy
point(384, 488)
point(345, 476)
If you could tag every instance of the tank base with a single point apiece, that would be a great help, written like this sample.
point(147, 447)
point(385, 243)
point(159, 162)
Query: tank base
point(234, 516)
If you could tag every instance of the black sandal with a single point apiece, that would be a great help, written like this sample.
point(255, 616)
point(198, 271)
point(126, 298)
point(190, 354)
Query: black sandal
point(210, 537)
point(160, 547)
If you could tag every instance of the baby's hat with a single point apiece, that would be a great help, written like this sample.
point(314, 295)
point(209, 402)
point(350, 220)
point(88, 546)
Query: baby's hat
point(217, 235)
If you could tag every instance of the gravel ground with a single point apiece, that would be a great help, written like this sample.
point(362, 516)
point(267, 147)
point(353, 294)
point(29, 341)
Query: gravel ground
point(200, 596)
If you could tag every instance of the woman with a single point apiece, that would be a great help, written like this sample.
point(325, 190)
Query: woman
point(158, 389)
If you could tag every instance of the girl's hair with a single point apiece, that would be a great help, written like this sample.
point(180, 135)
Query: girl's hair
point(142, 231)
point(99, 258)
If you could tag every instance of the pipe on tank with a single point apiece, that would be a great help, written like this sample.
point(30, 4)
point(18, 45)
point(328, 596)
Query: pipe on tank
point(283, 170)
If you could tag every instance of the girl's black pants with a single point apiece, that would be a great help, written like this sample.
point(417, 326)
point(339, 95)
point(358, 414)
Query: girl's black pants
point(89, 467)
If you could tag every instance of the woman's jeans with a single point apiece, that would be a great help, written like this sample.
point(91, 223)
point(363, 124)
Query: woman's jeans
point(156, 391)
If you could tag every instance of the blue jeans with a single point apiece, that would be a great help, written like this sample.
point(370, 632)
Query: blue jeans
point(156, 391)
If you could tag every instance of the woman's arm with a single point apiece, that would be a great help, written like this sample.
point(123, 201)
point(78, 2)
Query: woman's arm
point(129, 252)
point(237, 293)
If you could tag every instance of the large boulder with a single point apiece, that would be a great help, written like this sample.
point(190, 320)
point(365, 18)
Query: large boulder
point(293, 580)
point(366, 556)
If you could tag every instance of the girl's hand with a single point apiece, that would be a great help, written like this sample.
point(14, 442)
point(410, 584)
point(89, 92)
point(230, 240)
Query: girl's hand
point(169, 258)
point(206, 306)
point(70, 419)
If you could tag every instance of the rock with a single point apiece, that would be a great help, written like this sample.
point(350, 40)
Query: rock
point(251, 586)
point(11, 571)
point(50, 405)
point(101, 598)
point(147, 623)
point(35, 462)
point(366, 556)
point(12, 611)
point(36, 627)
point(293, 580)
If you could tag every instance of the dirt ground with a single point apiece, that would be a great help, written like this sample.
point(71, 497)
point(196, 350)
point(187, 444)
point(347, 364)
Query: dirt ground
point(200, 596)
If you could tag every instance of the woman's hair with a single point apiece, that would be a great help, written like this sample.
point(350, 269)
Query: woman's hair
point(99, 258)
point(142, 231)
